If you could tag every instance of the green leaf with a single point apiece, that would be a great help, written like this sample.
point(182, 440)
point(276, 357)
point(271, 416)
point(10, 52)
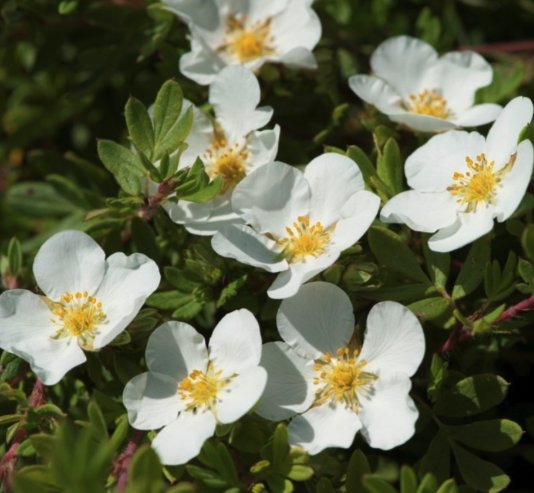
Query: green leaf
point(69, 190)
point(392, 252)
point(408, 480)
point(364, 163)
point(472, 272)
point(437, 459)
point(407, 292)
point(279, 484)
point(471, 396)
point(280, 445)
point(431, 308)
point(228, 463)
point(167, 108)
point(428, 484)
point(14, 257)
point(325, 486)
point(153, 172)
point(45, 445)
point(145, 239)
point(115, 156)
point(247, 436)
point(358, 466)
point(9, 419)
point(389, 167)
point(145, 471)
point(527, 240)
point(32, 479)
point(169, 300)
point(300, 472)
point(490, 436)
point(188, 311)
point(438, 371)
point(49, 411)
point(448, 486)
point(97, 420)
point(374, 484)
point(125, 368)
point(477, 473)
point(206, 193)
point(177, 134)
point(67, 7)
point(128, 181)
point(140, 127)
point(438, 264)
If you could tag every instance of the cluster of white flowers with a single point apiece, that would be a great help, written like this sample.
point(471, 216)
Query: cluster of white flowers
point(294, 223)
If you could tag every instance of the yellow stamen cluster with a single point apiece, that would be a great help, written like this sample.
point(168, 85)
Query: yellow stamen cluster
point(340, 379)
point(247, 42)
point(479, 183)
point(78, 315)
point(200, 389)
point(428, 103)
point(226, 161)
point(304, 240)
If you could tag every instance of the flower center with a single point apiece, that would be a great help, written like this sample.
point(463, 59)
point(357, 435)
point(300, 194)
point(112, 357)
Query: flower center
point(428, 103)
point(479, 183)
point(200, 389)
point(247, 43)
point(78, 315)
point(226, 161)
point(340, 379)
point(304, 240)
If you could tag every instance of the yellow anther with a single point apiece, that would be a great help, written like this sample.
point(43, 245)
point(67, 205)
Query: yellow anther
point(428, 103)
point(247, 42)
point(304, 240)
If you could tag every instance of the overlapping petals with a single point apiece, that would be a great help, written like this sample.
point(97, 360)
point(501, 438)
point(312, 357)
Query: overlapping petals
point(298, 223)
point(429, 94)
point(331, 386)
point(87, 302)
point(190, 388)
point(462, 182)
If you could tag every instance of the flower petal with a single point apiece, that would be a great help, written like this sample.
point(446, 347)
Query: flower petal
point(201, 64)
point(503, 135)
point(376, 92)
point(289, 388)
point(289, 281)
point(240, 395)
point(479, 115)
point(181, 440)
point(201, 12)
point(259, 10)
point(431, 167)
point(393, 340)
point(69, 261)
point(333, 179)
point(272, 197)
point(244, 244)
point(468, 227)
point(423, 123)
point(199, 139)
point(421, 211)
point(329, 425)
point(28, 332)
point(299, 58)
point(356, 216)
point(235, 344)
point(403, 61)
point(263, 147)
point(388, 413)
point(126, 285)
point(516, 182)
point(234, 95)
point(151, 401)
point(317, 320)
point(176, 349)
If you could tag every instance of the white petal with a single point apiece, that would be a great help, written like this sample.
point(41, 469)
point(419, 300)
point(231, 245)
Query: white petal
point(126, 285)
point(357, 215)
point(393, 340)
point(317, 320)
point(202, 12)
point(460, 75)
point(431, 167)
point(259, 10)
point(151, 401)
point(181, 440)
point(423, 123)
point(201, 65)
point(240, 395)
point(244, 244)
point(69, 261)
point(468, 227)
point(272, 197)
point(235, 344)
point(502, 137)
point(333, 179)
point(421, 211)
point(176, 349)
point(234, 95)
point(329, 425)
point(263, 147)
point(402, 61)
point(289, 389)
point(26, 330)
point(516, 182)
point(388, 413)
point(479, 115)
point(289, 281)
point(299, 58)
point(199, 139)
point(376, 92)
point(189, 212)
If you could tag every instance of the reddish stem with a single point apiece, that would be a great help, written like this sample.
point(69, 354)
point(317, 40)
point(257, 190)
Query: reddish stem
point(527, 45)
point(460, 333)
point(516, 310)
point(120, 469)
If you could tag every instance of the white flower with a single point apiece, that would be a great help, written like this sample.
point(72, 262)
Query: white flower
point(299, 221)
point(233, 148)
point(88, 300)
point(189, 389)
point(462, 182)
point(429, 94)
point(335, 390)
point(246, 32)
